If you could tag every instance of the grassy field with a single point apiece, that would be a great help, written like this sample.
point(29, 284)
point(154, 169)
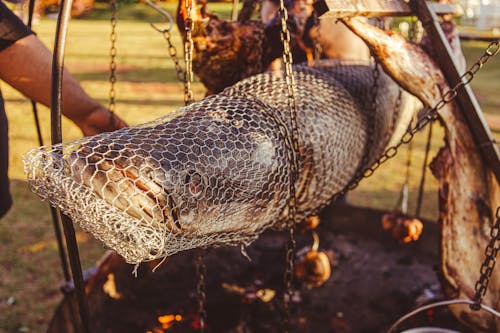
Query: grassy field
point(29, 268)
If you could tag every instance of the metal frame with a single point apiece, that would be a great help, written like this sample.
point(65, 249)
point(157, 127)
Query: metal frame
point(56, 138)
point(53, 212)
point(469, 106)
point(426, 13)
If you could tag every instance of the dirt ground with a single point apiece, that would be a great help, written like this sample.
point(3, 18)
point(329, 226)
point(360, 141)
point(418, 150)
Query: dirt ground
point(374, 281)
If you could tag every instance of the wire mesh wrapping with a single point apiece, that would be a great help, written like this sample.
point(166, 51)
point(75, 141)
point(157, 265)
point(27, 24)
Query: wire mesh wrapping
point(216, 172)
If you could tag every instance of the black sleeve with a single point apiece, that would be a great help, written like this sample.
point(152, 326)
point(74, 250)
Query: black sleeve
point(5, 197)
point(11, 27)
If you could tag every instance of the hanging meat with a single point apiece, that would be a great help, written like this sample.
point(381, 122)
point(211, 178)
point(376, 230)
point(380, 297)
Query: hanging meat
point(226, 52)
point(217, 171)
point(468, 192)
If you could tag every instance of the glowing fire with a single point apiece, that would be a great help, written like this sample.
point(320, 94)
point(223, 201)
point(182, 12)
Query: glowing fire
point(166, 322)
point(403, 228)
point(109, 287)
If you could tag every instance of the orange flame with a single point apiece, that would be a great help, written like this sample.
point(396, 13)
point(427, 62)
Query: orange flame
point(166, 322)
point(405, 229)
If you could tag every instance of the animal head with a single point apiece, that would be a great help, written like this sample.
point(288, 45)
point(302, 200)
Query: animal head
point(212, 175)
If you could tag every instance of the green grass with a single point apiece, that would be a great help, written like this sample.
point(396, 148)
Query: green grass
point(146, 89)
point(140, 11)
point(486, 86)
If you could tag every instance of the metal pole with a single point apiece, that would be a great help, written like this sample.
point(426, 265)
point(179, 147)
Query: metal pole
point(31, 9)
point(63, 256)
point(53, 212)
point(469, 105)
point(56, 136)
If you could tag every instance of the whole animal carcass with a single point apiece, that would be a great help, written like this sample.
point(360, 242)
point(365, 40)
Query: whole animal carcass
point(217, 171)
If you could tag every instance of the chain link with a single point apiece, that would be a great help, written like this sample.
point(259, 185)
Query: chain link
point(289, 79)
point(370, 121)
point(188, 54)
point(488, 265)
point(288, 278)
point(429, 116)
point(188, 99)
point(201, 292)
point(112, 63)
point(294, 165)
point(172, 51)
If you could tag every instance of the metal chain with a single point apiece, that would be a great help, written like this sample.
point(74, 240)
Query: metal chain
point(429, 116)
point(188, 99)
point(172, 51)
point(488, 265)
point(201, 294)
point(493, 246)
point(294, 165)
point(112, 63)
point(491, 51)
point(370, 121)
point(188, 54)
point(289, 77)
point(288, 277)
point(200, 291)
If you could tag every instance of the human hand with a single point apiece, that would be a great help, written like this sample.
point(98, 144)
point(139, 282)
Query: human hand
point(99, 120)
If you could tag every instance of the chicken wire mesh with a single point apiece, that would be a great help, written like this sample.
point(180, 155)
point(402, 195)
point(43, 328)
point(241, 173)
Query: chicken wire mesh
point(216, 172)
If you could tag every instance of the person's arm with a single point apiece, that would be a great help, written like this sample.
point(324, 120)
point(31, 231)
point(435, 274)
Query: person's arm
point(26, 66)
